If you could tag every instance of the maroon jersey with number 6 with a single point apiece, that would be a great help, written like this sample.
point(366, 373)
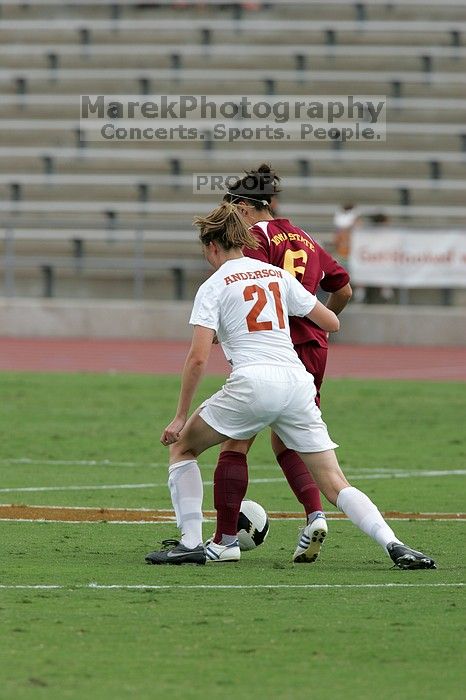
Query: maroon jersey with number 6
point(291, 248)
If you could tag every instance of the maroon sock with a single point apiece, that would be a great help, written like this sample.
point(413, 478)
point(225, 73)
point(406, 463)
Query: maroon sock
point(230, 486)
point(300, 480)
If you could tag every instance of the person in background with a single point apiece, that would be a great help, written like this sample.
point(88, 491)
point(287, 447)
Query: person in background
point(344, 221)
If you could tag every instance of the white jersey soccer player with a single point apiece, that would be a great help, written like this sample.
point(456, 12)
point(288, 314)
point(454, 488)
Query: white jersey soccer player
point(246, 304)
point(245, 297)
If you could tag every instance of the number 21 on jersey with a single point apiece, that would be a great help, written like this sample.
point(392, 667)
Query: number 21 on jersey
point(254, 291)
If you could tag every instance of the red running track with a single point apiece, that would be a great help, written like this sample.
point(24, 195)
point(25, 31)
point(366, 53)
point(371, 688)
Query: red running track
point(163, 357)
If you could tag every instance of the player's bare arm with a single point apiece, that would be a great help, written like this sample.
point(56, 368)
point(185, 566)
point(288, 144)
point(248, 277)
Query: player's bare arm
point(193, 370)
point(324, 318)
point(337, 301)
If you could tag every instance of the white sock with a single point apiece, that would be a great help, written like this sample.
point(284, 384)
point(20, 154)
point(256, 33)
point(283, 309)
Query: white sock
point(312, 516)
point(229, 539)
point(363, 513)
point(185, 484)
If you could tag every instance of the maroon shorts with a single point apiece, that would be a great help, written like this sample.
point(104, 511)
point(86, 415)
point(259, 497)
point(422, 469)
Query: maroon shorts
point(314, 358)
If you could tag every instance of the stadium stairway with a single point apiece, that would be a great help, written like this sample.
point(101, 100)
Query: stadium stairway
point(56, 176)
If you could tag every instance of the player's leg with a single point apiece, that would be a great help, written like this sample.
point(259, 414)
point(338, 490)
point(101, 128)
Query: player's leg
point(301, 428)
point(235, 411)
point(230, 486)
point(226, 414)
point(307, 492)
point(299, 478)
point(301, 482)
point(361, 510)
point(314, 359)
point(186, 490)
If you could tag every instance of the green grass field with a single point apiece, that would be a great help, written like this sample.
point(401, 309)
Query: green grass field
point(116, 628)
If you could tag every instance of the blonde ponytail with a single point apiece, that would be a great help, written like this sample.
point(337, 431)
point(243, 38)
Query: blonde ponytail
point(225, 225)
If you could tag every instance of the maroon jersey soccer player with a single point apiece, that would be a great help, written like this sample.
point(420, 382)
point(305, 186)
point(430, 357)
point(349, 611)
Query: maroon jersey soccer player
point(287, 246)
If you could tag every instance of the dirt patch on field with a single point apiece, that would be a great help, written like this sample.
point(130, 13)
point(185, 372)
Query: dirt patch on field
point(66, 514)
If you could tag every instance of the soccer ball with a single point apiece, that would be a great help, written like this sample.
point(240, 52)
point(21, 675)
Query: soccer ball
point(253, 525)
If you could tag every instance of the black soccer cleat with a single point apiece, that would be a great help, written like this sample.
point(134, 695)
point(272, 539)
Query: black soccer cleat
point(406, 558)
point(174, 552)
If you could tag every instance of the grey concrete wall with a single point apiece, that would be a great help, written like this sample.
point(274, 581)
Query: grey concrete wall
point(402, 325)
point(360, 324)
point(94, 319)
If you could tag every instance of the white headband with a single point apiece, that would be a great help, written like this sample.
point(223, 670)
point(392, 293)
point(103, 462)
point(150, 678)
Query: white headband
point(252, 199)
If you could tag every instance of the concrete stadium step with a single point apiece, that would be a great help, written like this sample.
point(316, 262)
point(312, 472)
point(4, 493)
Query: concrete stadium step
point(127, 249)
point(63, 133)
point(312, 10)
point(80, 198)
point(22, 11)
point(123, 10)
point(261, 150)
point(318, 168)
point(11, 164)
point(257, 30)
point(194, 36)
point(235, 59)
point(32, 138)
point(24, 187)
point(64, 281)
point(116, 285)
point(318, 217)
point(288, 161)
point(418, 109)
point(337, 168)
point(259, 82)
point(130, 56)
point(404, 11)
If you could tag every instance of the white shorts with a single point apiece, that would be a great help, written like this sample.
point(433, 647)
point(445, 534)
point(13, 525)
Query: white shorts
point(258, 396)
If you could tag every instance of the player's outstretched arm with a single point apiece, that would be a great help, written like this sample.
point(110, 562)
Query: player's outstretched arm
point(193, 370)
point(337, 301)
point(324, 318)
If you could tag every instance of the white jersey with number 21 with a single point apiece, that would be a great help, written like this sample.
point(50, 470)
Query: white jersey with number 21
point(247, 303)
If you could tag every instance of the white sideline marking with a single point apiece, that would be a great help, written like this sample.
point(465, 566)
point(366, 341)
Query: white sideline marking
point(76, 462)
point(167, 511)
point(387, 474)
point(205, 520)
point(158, 587)
point(110, 463)
point(107, 522)
point(103, 463)
point(95, 487)
point(92, 462)
point(383, 474)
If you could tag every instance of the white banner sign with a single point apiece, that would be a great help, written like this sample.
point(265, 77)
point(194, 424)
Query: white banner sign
point(408, 258)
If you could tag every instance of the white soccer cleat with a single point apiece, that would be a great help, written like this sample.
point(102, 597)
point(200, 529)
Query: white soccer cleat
point(311, 539)
point(222, 552)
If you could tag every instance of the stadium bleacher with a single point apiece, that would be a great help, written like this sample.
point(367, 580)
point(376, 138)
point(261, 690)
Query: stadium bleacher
point(83, 216)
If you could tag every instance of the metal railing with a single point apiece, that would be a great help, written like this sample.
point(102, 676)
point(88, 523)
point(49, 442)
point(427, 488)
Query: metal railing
point(47, 265)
